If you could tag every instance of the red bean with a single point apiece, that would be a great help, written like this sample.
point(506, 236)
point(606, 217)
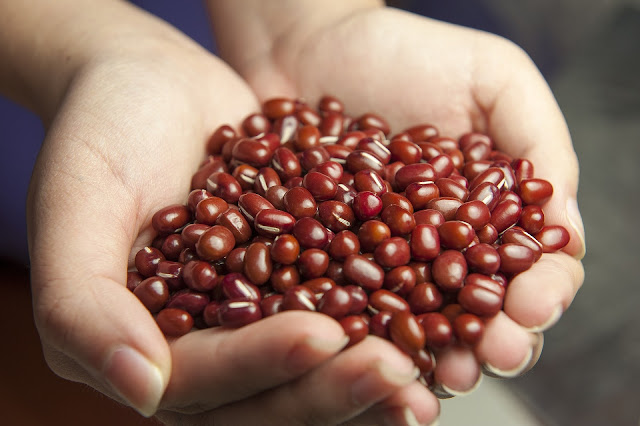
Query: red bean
point(481, 295)
point(392, 252)
point(425, 297)
point(153, 292)
point(420, 194)
point(471, 138)
point(271, 305)
point(355, 327)
point(238, 287)
point(475, 213)
point(215, 243)
point(217, 140)
point(345, 243)
point(429, 217)
point(335, 215)
point(419, 172)
point(522, 168)
point(366, 205)
point(399, 220)
point(310, 233)
point(188, 300)
point(456, 234)
point(552, 238)
point(518, 235)
point(313, 263)
point(437, 329)
point(250, 204)
point(278, 107)
point(422, 132)
point(199, 275)
point(310, 158)
point(363, 160)
point(235, 222)
point(134, 279)
point(284, 278)
point(379, 324)
point(468, 329)
point(271, 223)
point(425, 361)
point(257, 263)
point(255, 124)
point(225, 186)
point(286, 164)
point(300, 202)
point(359, 299)
point(147, 260)
point(171, 272)
point(483, 258)
point(235, 260)
point(425, 243)
point(238, 313)
point(299, 298)
point(367, 274)
point(336, 303)
point(505, 215)
point(285, 249)
point(449, 270)
point(531, 219)
point(450, 188)
point(400, 280)
point(169, 219)
point(515, 258)
point(174, 322)
point(447, 206)
point(406, 332)
point(195, 197)
point(385, 300)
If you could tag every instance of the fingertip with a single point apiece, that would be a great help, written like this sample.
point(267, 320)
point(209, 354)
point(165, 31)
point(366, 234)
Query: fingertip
point(577, 244)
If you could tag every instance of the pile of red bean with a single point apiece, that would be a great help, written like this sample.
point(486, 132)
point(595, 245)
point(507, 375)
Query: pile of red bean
point(412, 237)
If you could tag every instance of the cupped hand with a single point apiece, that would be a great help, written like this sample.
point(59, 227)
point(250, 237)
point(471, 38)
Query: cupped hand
point(123, 143)
point(413, 70)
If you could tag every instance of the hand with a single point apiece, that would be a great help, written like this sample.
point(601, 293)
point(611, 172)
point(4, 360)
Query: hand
point(412, 70)
point(122, 143)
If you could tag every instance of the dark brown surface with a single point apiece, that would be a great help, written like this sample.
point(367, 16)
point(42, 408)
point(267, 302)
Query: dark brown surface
point(30, 394)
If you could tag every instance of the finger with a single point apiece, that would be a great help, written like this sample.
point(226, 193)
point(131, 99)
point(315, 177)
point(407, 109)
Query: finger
point(506, 349)
point(536, 298)
point(217, 366)
point(457, 372)
point(525, 121)
point(412, 405)
point(340, 389)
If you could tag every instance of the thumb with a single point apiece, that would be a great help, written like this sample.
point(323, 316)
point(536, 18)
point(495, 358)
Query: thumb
point(526, 122)
point(92, 328)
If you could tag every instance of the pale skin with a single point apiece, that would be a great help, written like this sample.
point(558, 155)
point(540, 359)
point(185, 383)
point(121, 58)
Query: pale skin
point(128, 103)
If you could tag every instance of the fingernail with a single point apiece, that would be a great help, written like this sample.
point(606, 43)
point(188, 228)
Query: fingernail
point(537, 346)
point(496, 372)
point(400, 416)
point(575, 220)
point(454, 392)
point(135, 379)
point(550, 322)
point(375, 382)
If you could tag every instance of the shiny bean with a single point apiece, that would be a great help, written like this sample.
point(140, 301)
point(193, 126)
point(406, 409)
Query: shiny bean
point(475, 213)
point(518, 235)
point(437, 329)
point(363, 160)
point(399, 220)
point(515, 258)
point(271, 305)
point(420, 193)
point(400, 280)
point(406, 332)
point(372, 233)
point(422, 132)
point(299, 298)
point(487, 234)
point(188, 300)
point(255, 124)
point(169, 219)
point(367, 274)
point(225, 186)
point(392, 252)
point(199, 275)
point(234, 262)
point(310, 233)
point(209, 209)
point(336, 216)
point(450, 188)
point(486, 192)
point(336, 303)
point(313, 263)
point(171, 272)
point(252, 152)
point(449, 270)
point(418, 172)
point(286, 164)
point(217, 140)
point(174, 322)
point(379, 324)
point(234, 221)
point(405, 151)
point(299, 202)
point(153, 292)
point(215, 243)
point(199, 179)
point(147, 260)
point(448, 206)
point(481, 295)
point(272, 222)
point(468, 329)
point(482, 258)
point(257, 263)
point(285, 249)
point(505, 215)
point(366, 205)
point(238, 313)
point(523, 169)
point(456, 234)
point(385, 300)
point(552, 238)
point(425, 297)
point(245, 175)
point(344, 244)
point(238, 287)
point(284, 278)
point(429, 217)
point(471, 138)
point(308, 136)
point(535, 191)
point(278, 107)
point(355, 327)
point(250, 204)
point(424, 243)
point(531, 219)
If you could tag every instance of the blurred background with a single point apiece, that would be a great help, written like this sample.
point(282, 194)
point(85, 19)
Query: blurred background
point(589, 51)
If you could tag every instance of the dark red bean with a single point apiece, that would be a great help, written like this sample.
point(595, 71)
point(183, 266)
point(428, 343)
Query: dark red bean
point(509, 175)
point(449, 270)
point(471, 138)
point(319, 286)
point(278, 107)
point(405, 151)
point(235, 222)
point(237, 286)
point(429, 217)
point(195, 197)
point(284, 278)
point(275, 195)
point(425, 243)
point(307, 115)
point(250, 204)
point(336, 216)
point(172, 246)
point(476, 151)
point(310, 233)
point(252, 152)
point(359, 299)
point(134, 279)
point(535, 191)
point(312, 157)
point(400, 280)
point(271, 222)
point(330, 103)
point(191, 233)
point(368, 180)
point(518, 235)
point(300, 202)
point(486, 192)
point(420, 193)
point(355, 327)
point(429, 150)
point(450, 188)
point(271, 305)
point(336, 303)
point(286, 164)
point(422, 132)
point(399, 220)
point(505, 215)
point(331, 169)
point(245, 175)
point(492, 175)
point(366, 205)
point(422, 270)
point(379, 324)
point(389, 198)
point(552, 238)
point(265, 179)
point(255, 124)
point(217, 140)
point(187, 255)
point(238, 313)
point(169, 219)
point(419, 172)
point(257, 263)
point(372, 233)
point(147, 260)
point(523, 169)
point(308, 136)
point(313, 263)
point(174, 322)
point(299, 298)
point(425, 297)
point(532, 219)
point(406, 332)
point(332, 124)
point(510, 195)
point(363, 160)
point(392, 252)
point(487, 234)
point(468, 329)
point(367, 274)
point(215, 243)
point(385, 300)
point(234, 262)
point(188, 300)
point(375, 147)
point(481, 295)
point(475, 213)
point(425, 361)
point(456, 234)
point(199, 179)
point(208, 210)
point(483, 258)
point(225, 186)
point(171, 272)
point(153, 292)
point(285, 249)
point(199, 275)
point(515, 258)
point(448, 206)
point(344, 244)
point(437, 329)
point(210, 314)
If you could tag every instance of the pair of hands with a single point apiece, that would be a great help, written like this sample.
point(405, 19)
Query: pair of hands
point(129, 133)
